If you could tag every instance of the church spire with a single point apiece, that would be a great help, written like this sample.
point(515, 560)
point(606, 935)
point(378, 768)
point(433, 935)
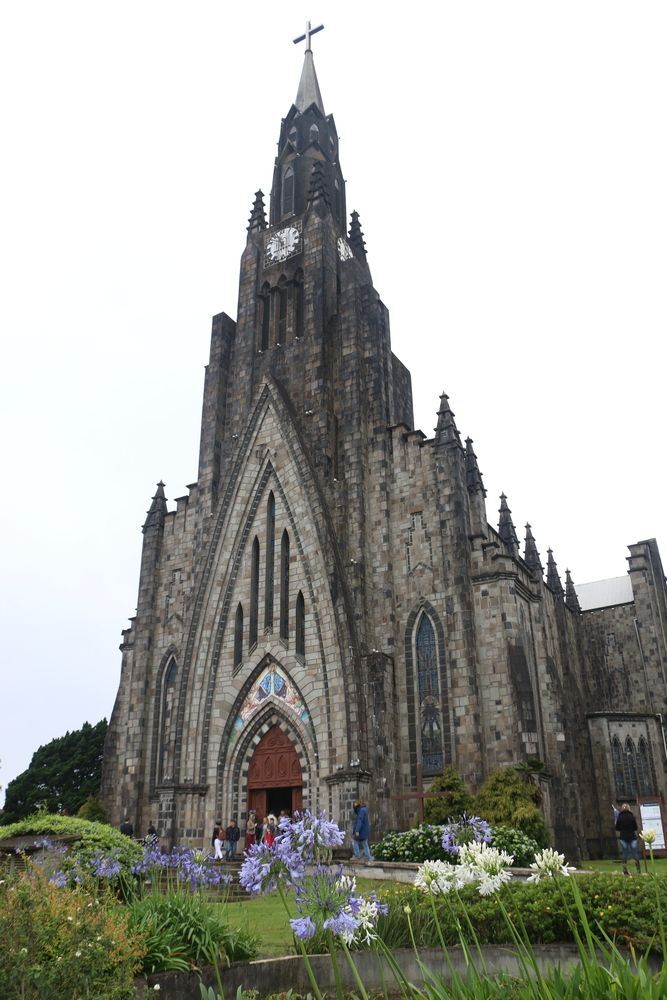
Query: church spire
point(157, 510)
point(506, 528)
point(553, 579)
point(309, 89)
point(257, 218)
point(356, 236)
point(531, 556)
point(446, 432)
point(571, 599)
point(473, 475)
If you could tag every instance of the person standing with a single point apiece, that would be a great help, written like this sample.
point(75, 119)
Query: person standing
point(270, 829)
point(250, 827)
point(259, 830)
point(626, 824)
point(361, 831)
point(126, 827)
point(232, 835)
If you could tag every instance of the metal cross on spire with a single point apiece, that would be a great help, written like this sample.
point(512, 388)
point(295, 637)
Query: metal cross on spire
point(309, 33)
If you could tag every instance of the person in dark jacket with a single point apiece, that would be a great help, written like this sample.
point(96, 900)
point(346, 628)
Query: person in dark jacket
point(126, 827)
point(361, 831)
point(626, 824)
point(232, 834)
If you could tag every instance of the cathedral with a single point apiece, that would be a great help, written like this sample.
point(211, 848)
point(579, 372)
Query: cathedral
point(328, 614)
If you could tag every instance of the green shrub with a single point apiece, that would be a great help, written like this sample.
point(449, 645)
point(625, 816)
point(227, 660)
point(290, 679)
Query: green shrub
point(181, 931)
point(91, 838)
point(93, 810)
point(625, 909)
point(60, 943)
point(422, 844)
point(506, 798)
point(522, 847)
point(451, 805)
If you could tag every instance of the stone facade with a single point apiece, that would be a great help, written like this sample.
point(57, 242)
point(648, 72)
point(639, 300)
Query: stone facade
point(333, 572)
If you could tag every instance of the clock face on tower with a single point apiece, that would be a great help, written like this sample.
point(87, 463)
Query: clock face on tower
point(283, 243)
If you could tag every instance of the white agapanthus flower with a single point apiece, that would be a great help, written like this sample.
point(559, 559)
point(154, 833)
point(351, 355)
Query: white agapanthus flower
point(437, 877)
point(648, 836)
point(485, 865)
point(547, 864)
point(367, 916)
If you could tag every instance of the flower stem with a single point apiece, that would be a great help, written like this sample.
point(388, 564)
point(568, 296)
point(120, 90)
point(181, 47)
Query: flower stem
point(306, 960)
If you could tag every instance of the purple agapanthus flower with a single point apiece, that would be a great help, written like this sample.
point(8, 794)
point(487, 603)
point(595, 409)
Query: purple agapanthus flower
point(343, 925)
point(466, 830)
point(59, 879)
point(303, 927)
point(106, 867)
point(265, 866)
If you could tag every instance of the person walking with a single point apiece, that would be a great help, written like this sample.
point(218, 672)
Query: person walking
point(270, 830)
point(232, 835)
point(361, 831)
point(217, 840)
point(626, 824)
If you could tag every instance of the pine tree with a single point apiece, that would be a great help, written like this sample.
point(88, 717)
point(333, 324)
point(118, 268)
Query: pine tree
point(61, 776)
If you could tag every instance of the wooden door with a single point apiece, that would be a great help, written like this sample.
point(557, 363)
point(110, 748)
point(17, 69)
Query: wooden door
point(275, 763)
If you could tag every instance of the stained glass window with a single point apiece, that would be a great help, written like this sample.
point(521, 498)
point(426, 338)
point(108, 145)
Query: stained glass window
point(428, 689)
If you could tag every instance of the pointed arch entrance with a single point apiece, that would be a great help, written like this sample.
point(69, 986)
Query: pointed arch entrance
point(275, 778)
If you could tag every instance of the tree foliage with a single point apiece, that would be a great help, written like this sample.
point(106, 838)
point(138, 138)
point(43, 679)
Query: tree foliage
point(450, 805)
point(506, 797)
point(61, 776)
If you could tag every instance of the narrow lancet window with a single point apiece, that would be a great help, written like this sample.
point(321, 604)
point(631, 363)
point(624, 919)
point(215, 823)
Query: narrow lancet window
point(265, 318)
point(300, 626)
point(288, 191)
point(270, 555)
point(281, 330)
point(168, 721)
point(428, 689)
point(254, 594)
point(314, 134)
point(298, 304)
point(238, 637)
point(284, 586)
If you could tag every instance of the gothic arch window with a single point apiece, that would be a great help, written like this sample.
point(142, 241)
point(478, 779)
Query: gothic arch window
point(645, 783)
point(254, 594)
point(281, 318)
point(167, 721)
point(284, 585)
point(287, 198)
point(300, 626)
point(270, 556)
point(314, 133)
point(238, 637)
point(428, 696)
point(617, 767)
point(265, 317)
point(630, 768)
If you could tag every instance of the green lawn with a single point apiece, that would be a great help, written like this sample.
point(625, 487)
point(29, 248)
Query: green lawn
point(265, 917)
point(616, 865)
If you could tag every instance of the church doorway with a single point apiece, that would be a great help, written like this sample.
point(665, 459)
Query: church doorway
point(275, 780)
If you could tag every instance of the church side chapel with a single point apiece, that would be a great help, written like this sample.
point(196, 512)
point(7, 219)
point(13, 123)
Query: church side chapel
point(328, 614)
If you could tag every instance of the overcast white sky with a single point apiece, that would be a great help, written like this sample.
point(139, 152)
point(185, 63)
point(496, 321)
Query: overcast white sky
point(508, 161)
